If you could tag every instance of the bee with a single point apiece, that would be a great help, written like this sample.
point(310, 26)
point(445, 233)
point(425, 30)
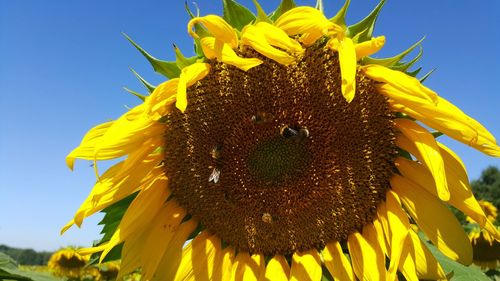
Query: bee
point(300, 133)
point(261, 117)
point(216, 152)
point(267, 218)
point(214, 176)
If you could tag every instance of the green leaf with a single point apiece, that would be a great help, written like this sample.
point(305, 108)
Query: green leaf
point(10, 271)
point(389, 62)
point(261, 15)
point(339, 18)
point(364, 28)
point(112, 217)
point(146, 84)
point(236, 14)
point(285, 6)
point(460, 272)
point(181, 60)
point(166, 68)
point(140, 96)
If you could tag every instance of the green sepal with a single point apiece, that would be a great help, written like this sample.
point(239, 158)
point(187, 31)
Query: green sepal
point(198, 29)
point(427, 75)
point(285, 6)
point(436, 134)
point(236, 14)
point(146, 84)
point(181, 60)
point(415, 72)
point(166, 68)
point(392, 61)
point(339, 18)
point(140, 96)
point(366, 26)
point(319, 5)
point(404, 66)
point(261, 15)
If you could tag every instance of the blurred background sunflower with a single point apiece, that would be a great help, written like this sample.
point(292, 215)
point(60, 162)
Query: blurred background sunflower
point(68, 263)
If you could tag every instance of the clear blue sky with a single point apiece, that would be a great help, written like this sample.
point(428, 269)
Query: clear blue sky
point(63, 65)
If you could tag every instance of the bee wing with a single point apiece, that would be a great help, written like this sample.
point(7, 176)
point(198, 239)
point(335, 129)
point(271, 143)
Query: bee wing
point(214, 176)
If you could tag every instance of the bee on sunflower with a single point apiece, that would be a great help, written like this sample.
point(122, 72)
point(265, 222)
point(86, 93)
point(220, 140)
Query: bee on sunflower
point(284, 151)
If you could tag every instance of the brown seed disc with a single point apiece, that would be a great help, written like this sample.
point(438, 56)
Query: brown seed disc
point(274, 160)
point(71, 262)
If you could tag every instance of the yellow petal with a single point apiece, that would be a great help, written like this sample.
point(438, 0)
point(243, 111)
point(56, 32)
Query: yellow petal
point(248, 268)
point(164, 95)
point(461, 198)
point(307, 20)
point(137, 217)
point(277, 269)
point(278, 38)
point(367, 258)
point(223, 270)
point(227, 55)
point(127, 134)
point(405, 84)
point(445, 118)
point(200, 258)
point(381, 234)
point(369, 47)
point(417, 262)
point(218, 27)
point(189, 75)
point(113, 186)
point(172, 257)
point(86, 148)
point(130, 260)
point(337, 263)
point(255, 38)
point(347, 60)
point(435, 219)
point(398, 230)
point(381, 224)
point(157, 240)
point(423, 146)
point(306, 266)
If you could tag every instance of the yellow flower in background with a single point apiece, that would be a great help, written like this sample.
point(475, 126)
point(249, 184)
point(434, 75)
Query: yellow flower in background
point(67, 263)
point(486, 248)
point(283, 151)
point(489, 209)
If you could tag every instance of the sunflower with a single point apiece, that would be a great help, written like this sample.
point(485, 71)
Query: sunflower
point(283, 150)
point(68, 263)
point(485, 247)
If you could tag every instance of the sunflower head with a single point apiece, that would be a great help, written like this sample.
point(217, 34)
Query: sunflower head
point(67, 262)
point(284, 150)
point(489, 210)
